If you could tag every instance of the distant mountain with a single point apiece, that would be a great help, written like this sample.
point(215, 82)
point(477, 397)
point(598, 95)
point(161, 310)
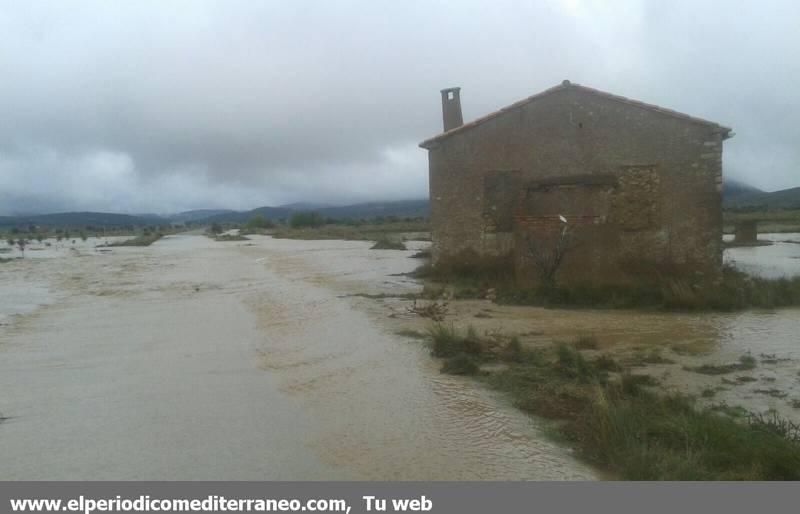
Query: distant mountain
point(304, 206)
point(403, 208)
point(750, 197)
point(407, 208)
point(198, 214)
point(79, 219)
point(734, 188)
point(271, 213)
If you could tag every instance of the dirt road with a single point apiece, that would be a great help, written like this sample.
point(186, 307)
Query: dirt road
point(194, 359)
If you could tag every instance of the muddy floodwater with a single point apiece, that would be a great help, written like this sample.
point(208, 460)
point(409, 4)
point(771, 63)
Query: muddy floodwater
point(196, 359)
point(261, 359)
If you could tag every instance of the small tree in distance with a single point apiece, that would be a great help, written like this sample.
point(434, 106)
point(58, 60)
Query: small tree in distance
point(258, 221)
point(306, 219)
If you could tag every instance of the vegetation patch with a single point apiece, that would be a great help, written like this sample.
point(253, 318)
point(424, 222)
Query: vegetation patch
point(643, 435)
point(586, 343)
point(257, 224)
point(654, 356)
point(607, 363)
point(771, 358)
point(317, 228)
point(619, 421)
point(411, 333)
point(769, 220)
point(774, 393)
point(708, 392)
point(386, 243)
point(745, 363)
point(145, 239)
point(732, 411)
point(692, 349)
point(383, 296)
point(735, 290)
point(448, 342)
point(231, 237)
point(461, 364)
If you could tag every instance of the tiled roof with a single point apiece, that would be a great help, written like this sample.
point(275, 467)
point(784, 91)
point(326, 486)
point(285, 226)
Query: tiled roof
point(565, 85)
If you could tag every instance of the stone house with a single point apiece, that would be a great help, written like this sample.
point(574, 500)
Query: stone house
point(621, 189)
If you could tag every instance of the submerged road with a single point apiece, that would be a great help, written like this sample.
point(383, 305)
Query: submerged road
point(198, 360)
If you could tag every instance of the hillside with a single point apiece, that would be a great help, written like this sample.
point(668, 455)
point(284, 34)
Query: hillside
point(79, 219)
point(199, 214)
point(403, 208)
point(783, 199)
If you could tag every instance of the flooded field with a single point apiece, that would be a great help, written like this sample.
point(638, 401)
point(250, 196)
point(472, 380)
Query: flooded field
point(781, 258)
point(196, 359)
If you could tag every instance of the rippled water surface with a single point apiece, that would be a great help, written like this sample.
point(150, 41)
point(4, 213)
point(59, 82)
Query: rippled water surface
point(195, 359)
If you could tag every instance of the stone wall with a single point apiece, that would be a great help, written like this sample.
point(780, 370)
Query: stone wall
point(663, 208)
point(746, 232)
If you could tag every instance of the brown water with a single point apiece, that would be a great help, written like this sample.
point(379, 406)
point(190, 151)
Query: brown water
point(772, 337)
point(193, 359)
point(781, 259)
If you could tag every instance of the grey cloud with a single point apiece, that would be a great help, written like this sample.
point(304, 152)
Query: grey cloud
point(160, 106)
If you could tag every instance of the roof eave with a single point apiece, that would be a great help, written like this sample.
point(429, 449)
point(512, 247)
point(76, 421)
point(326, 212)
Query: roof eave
point(433, 142)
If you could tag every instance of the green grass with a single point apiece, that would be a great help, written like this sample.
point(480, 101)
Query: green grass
point(692, 349)
point(745, 363)
point(461, 364)
point(448, 342)
point(607, 363)
point(708, 392)
point(350, 232)
point(622, 422)
point(639, 434)
point(734, 291)
point(586, 343)
point(642, 358)
point(231, 237)
point(411, 333)
point(142, 240)
point(386, 243)
point(776, 220)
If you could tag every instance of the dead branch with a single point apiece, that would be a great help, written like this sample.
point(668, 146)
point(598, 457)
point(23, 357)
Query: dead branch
point(434, 310)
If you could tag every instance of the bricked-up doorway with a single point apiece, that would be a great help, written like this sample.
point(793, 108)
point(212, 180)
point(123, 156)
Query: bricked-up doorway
point(604, 215)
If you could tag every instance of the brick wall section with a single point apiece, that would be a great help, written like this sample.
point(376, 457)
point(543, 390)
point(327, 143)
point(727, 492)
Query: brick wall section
point(665, 208)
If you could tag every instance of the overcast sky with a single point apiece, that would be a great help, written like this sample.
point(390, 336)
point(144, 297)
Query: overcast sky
point(165, 106)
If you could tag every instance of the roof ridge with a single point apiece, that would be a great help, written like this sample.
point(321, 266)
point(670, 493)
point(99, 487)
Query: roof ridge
point(565, 85)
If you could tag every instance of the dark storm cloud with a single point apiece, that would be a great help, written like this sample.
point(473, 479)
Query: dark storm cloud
point(159, 106)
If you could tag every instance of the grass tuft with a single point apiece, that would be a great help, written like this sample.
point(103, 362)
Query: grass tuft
point(624, 425)
point(461, 364)
point(586, 343)
point(142, 240)
point(745, 363)
point(411, 333)
point(231, 237)
point(448, 342)
point(385, 243)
